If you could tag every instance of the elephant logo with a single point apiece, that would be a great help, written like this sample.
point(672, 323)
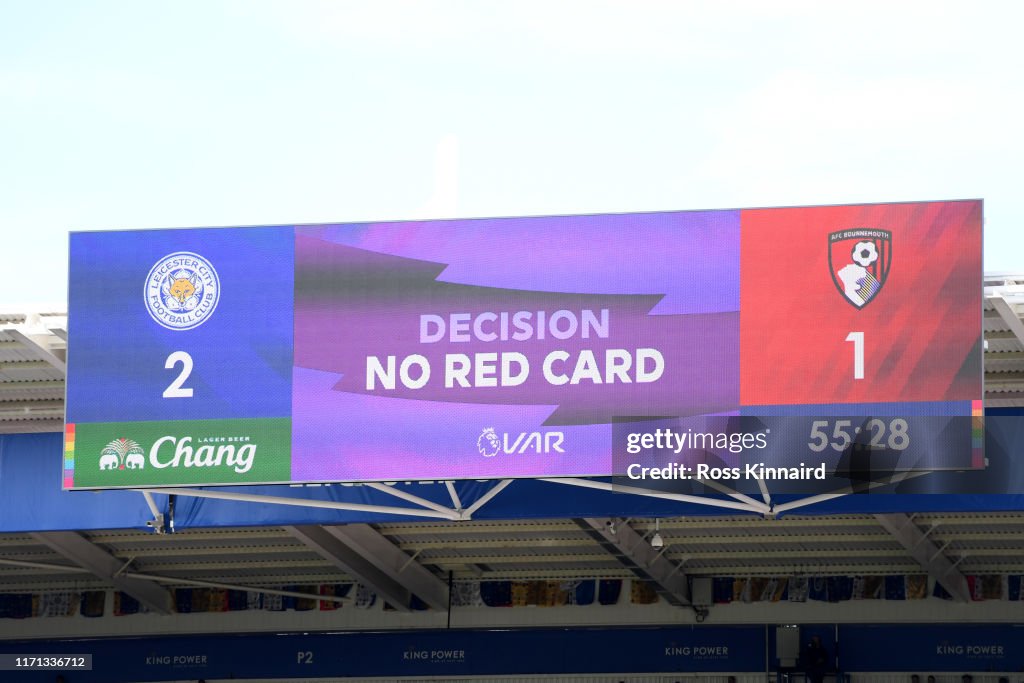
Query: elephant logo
point(122, 454)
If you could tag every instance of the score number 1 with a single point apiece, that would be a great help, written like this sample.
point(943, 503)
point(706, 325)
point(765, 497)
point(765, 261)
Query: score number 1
point(177, 388)
point(858, 353)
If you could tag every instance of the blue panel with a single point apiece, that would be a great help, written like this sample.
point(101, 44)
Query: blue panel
point(539, 499)
point(117, 350)
point(523, 499)
point(191, 512)
point(411, 653)
point(933, 647)
point(31, 498)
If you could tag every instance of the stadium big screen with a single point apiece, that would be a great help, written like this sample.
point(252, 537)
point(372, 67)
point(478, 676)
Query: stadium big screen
point(524, 347)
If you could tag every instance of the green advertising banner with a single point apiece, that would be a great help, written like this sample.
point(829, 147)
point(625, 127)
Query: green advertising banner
point(141, 454)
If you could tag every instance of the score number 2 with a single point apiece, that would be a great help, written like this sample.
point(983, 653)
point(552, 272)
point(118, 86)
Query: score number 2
point(177, 388)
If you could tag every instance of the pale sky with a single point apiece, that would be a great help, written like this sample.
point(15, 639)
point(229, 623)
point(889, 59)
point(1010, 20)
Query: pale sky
point(124, 115)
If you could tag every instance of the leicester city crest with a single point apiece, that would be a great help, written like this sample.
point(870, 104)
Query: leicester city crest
point(182, 291)
point(859, 261)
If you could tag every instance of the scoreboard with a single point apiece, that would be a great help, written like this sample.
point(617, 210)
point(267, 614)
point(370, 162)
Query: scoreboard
point(524, 347)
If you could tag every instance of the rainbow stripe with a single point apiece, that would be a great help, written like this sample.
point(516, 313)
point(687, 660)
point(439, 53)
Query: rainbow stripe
point(69, 456)
point(977, 434)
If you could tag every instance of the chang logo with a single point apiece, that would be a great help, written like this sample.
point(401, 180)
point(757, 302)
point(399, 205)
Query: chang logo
point(236, 452)
point(182, 291)
point(122, 453)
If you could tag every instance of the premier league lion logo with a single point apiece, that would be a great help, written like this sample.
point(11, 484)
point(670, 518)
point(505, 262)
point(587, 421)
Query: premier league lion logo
point(488, 443)
point(859, 261)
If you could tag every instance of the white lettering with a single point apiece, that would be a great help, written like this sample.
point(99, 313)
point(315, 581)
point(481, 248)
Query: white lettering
point(478, 327)
point(569, 329)
point(227, 451)
point(508, 379)
point(155, 451)
point(485, 369)
point(549, 373)
point(553, 442)
point(643, 375)
point(424, 368)
point(586, 368)
point(460, 327)
point(489, 326)
point(428, 336)
point(205, 456)
point(244, 458)
point(375, 371)
point(619, 361)
point(456, 369)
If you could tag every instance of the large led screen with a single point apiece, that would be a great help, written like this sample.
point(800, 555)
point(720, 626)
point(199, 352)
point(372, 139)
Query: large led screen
point(526, 347)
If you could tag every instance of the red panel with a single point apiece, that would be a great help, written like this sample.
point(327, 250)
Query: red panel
point(922, 327)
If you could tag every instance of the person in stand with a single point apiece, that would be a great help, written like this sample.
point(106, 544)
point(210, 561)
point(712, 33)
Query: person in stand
point(816, 658)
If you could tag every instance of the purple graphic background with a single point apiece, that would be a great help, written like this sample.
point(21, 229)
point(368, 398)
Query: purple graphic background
point(670, 281)
point(689, 257)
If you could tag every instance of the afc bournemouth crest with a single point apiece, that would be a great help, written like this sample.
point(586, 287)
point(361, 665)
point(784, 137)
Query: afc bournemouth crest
point(859, 261)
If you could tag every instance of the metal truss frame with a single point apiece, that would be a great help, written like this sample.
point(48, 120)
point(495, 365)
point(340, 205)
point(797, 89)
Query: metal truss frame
point(458, 512)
